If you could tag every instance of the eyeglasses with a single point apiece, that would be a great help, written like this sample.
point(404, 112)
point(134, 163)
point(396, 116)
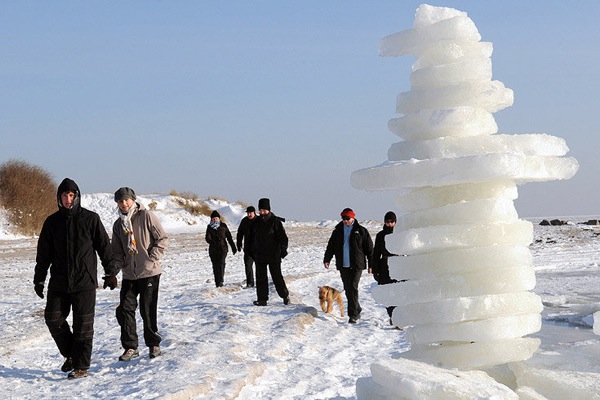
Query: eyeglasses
point(346, 218)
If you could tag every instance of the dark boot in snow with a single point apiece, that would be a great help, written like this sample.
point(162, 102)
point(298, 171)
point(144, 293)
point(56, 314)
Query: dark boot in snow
point(67, 365)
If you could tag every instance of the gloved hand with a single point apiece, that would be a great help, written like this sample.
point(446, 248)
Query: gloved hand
point(110, 281)
point(39, 290)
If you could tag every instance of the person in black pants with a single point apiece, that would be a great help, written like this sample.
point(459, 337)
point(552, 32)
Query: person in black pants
point(217, 237)
point(379, 266)
point(243, 237)
point(269, 245)
point(68, 243)
point(352, 246)
point(139, 243)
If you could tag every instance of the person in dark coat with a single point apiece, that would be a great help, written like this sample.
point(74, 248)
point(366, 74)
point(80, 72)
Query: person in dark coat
point(243, 237)
point(379, 266)
point(217, 237)
point(269, 246)
point(67, 246)
point(352, 246)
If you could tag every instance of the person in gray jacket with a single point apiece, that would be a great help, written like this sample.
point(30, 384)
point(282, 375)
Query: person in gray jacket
point(138, 243)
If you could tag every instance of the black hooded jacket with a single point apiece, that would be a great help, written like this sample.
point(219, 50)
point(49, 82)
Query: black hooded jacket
point(68, 243)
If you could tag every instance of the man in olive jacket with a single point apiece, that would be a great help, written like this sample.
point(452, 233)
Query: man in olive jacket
point(67, 246)
point(352, 246)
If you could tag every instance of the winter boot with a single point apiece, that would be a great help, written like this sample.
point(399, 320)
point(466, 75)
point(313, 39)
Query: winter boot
point(67, 365)
point(77, 373)
point(154, 352)
point(129, 354)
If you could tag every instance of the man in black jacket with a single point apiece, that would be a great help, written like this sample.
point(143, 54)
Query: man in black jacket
point(379, 266)
point(352, 246)
point(68, 243)
point(269, 246)
point(243, 236)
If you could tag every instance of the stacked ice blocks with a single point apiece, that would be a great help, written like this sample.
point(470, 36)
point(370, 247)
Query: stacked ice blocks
point(467, 296)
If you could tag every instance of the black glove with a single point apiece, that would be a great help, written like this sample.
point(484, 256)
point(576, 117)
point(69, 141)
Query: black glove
point(110, 281)
point(39, 290)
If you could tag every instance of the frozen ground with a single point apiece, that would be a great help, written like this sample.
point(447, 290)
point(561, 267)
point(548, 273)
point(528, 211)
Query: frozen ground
point(217, 345)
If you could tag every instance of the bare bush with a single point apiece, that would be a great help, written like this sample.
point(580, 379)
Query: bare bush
point(28, 193)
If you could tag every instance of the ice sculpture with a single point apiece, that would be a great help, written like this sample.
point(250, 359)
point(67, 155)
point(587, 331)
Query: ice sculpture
point(467, 298)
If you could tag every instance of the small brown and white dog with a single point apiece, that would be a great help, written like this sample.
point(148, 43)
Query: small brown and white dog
point(327, 295)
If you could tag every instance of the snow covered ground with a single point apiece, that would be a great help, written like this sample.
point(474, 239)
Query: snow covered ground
point(217, 345)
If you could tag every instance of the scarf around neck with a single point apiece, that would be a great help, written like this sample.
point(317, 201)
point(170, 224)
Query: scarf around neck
point(128, 228)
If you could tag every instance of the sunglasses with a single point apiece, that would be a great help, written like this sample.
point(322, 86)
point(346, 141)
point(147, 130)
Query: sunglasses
point(346, 218)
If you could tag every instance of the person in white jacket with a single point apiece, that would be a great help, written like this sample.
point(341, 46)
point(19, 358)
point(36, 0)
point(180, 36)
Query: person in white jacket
point(138, 243)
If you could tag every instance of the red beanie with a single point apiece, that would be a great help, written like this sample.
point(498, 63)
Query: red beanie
point(347, 212)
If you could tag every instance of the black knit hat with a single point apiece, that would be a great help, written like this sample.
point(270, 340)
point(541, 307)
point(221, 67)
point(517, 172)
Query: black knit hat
point(251, 209)
point(389, 216)
point(215, 214)
point(124, 193)
point(264, 204)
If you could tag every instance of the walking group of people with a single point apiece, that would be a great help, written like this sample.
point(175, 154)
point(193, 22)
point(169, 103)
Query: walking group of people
point(72, 239)
point(68, 244)
point(264, 241)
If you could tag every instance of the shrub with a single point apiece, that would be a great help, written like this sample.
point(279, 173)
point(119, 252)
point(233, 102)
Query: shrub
point(152, 205)
point(28, 193)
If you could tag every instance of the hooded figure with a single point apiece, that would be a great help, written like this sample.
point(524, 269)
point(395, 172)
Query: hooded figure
point(69, 244)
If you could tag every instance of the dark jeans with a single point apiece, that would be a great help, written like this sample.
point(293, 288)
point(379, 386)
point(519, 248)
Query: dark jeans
point(76, 344)
point(351, 279)
point(384, 279)
point(248, 262)
point(262, 281)
point(218, 266)
point(147, 290)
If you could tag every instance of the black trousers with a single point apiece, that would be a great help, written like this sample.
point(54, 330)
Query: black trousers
point(262, 281)
point(351, 279)
point(248, 263)
point(147, 290)
point(218, 266)
point(77, 343)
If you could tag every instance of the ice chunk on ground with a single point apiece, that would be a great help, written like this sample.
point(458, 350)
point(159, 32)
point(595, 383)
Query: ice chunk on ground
point(476, 211)
point(502, 280)
point(452, 171)
point(492, 96)
point(412, 41)
point(441, 264)
point(418, 199)
point(596, 327)
point(474, 355)
point(408, 379)
point(453, 147)
point(467, 308)
point(559, 384)
point(485, 330)
point(456, 122)
point(446, 237)
point(439, 76)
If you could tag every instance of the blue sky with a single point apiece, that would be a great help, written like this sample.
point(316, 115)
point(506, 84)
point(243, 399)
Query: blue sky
point(279, 99)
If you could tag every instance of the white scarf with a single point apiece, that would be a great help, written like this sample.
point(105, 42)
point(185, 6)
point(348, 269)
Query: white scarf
point(128, 228)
